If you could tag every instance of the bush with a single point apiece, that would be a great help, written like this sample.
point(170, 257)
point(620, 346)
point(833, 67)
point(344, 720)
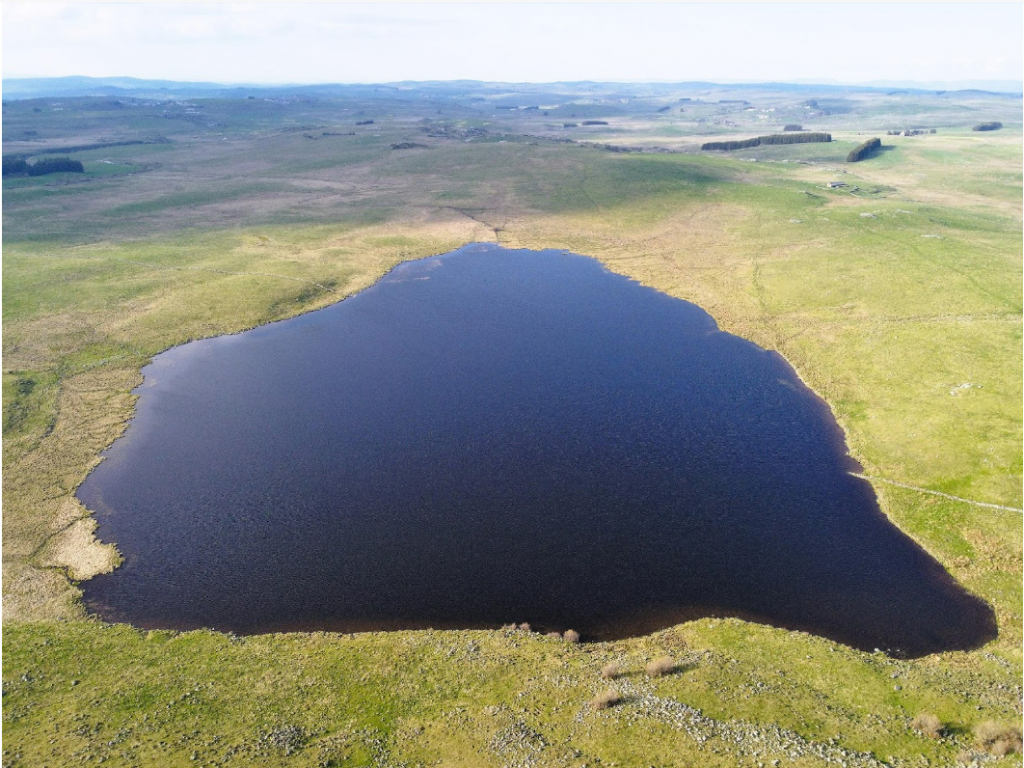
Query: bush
point(927, 725)
point(661, 666)
point(792, 127)
point(595, 122)
point(610, 671)
point(525, 627)
point(605, 700)
point(998, 739)
point(571, 636)
point(864, 150)
point(995, 125)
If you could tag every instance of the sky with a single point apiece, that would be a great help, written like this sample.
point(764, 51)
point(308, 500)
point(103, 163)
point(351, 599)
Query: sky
point(324, 42)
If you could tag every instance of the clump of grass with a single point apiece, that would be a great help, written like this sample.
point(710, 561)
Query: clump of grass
point(605, 700)
point(997, 739)
point(928, 725)
point(525, 627)
point(611, 671)
point(661, 666)
point(571, 636)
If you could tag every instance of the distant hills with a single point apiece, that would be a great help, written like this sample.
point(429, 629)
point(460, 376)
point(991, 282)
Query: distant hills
point(114, 87)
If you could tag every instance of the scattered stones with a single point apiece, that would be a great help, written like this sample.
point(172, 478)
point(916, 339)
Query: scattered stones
point(760, 742)
point(289, 739)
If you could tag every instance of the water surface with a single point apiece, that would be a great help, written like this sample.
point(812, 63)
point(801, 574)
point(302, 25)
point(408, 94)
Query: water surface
point(495, 436)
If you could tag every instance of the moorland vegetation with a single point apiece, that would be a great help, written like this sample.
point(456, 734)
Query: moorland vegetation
point(897, 297)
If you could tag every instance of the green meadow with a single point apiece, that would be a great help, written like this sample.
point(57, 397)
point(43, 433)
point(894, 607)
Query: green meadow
point(896, 297)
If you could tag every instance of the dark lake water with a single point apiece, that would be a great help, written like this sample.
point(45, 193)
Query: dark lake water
point(495, 436)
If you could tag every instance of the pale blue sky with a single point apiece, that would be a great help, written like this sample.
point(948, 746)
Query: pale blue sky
point(538, 42)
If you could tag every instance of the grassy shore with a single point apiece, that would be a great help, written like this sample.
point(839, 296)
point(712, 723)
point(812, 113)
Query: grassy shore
point(897, 298)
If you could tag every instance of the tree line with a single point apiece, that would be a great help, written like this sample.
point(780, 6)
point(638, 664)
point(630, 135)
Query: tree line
point(775, 138)
point(864, 150)
point(18, 166)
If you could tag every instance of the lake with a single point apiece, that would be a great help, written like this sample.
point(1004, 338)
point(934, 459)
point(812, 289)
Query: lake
point(495, 436)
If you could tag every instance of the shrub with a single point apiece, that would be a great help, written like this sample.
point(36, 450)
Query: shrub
point(927, 725)
point(595, 122)
point(571, 636)
point(525, 627)
point(610, 671)
point(661, 666)
point(864, 150)
point(605, 700)
point(995, 125)
point(792, 127)
point(998, 739)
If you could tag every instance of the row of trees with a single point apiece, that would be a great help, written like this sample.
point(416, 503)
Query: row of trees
point(17, 166)
point(995, 125)
point(862, 151)
point(775, 138)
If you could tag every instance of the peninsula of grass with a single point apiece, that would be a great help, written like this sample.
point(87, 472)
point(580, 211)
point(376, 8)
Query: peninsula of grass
point(897, 298)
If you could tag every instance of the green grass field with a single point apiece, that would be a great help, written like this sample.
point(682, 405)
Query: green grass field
point(897, 298)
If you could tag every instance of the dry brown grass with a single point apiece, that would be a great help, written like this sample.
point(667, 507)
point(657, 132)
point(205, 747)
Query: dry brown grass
point(605, 700)
point(611, 671)
point(571, 636)
point(659, 667)
point(928, 725)
point(998, 739)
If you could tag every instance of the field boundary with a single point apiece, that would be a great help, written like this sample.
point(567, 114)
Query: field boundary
point(937, 493)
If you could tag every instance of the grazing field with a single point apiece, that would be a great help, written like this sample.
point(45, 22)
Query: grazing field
point(896, 296)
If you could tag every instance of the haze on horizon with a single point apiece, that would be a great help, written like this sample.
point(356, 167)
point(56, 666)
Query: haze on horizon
point(278, 43)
